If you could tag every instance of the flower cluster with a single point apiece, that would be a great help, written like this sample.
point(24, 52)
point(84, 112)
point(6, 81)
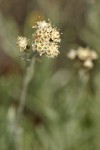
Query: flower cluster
point(46, 39)
point(23, 43)
point(84, 56)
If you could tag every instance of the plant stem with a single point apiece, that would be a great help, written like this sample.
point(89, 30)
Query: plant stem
point(26, 80)
point(16, 131)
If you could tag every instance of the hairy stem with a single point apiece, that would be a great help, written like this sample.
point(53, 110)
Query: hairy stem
point(26, 80)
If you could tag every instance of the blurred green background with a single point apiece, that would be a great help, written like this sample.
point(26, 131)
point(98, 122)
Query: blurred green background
point(62, 111)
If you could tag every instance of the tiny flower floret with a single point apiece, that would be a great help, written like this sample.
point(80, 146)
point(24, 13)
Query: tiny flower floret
point(41, 24)
point(46, 39)
point(22, 43)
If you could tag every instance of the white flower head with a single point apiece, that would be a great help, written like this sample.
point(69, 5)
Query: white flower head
point(83, 56)
point(82, 53)
point(46, 39)
point(72, 54)
point(88, 64)
point(94, 55)
point(86, 53)
point(22, 43)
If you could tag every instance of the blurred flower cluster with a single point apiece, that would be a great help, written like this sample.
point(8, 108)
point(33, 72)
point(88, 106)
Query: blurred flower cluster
point(83, 57)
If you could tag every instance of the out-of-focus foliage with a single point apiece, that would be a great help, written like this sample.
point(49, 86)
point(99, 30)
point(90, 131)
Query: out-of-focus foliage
point(62, 111)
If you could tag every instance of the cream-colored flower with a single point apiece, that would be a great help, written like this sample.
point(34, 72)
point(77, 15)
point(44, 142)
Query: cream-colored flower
point(46, 39)
point(52, 51)
point(93, 55)
point(88, 64)
point(86, 53)
point(83, 53)
point(83, 56)
point(22, 43)
point(72, 54)
point(55, 36)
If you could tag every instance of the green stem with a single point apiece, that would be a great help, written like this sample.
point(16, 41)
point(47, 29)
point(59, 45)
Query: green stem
point(27, 78)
